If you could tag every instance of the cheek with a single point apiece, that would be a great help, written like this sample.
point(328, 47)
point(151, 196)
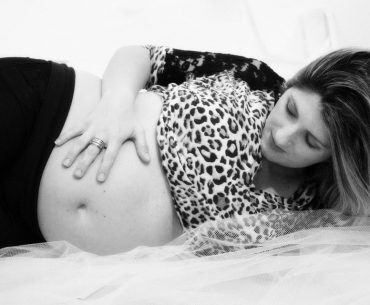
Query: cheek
point(324, 157)
point(270, 121)
point(276, 116)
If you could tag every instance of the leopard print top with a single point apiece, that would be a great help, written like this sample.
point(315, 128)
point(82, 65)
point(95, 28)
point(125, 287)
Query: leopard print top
point(209, 133)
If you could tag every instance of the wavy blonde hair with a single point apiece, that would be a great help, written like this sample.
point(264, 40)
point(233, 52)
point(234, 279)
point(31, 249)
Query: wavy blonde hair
point(342, 79)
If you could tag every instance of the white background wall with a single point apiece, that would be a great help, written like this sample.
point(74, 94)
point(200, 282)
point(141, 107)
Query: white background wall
point(85, 33)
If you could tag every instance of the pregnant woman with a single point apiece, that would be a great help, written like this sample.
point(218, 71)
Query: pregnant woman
point(225, 134)
point(40, 198)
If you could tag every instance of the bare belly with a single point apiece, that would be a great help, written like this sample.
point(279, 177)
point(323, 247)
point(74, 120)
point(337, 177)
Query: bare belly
point(133, 207)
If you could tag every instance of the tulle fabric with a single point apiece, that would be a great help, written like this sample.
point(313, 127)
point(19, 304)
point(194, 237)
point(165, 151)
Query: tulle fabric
point(311, 257)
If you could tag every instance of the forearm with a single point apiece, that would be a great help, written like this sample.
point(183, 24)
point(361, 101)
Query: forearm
point(126, 73)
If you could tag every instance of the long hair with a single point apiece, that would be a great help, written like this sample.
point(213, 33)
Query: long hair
point(342, 80)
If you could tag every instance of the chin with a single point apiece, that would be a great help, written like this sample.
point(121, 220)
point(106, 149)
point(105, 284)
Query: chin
point(278, 159)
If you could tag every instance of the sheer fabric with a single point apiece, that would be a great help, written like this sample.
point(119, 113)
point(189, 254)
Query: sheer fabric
point(307, 257)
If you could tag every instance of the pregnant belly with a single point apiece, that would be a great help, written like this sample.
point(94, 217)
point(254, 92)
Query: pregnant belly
point(133, 207)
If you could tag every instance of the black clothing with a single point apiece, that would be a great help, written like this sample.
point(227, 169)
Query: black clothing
point(35, 97)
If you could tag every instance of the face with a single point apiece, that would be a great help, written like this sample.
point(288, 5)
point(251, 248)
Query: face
point(295, 135)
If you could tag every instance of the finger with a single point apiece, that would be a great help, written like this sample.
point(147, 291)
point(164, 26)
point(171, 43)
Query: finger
point(88, 157)
point(75, 150)
point(109, 157)
point(141, 145)
point(67, 135)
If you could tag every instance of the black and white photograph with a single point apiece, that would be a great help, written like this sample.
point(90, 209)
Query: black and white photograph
point(184, 152)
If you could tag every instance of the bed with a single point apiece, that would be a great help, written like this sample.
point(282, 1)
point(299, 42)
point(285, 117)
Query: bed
point(313, 265)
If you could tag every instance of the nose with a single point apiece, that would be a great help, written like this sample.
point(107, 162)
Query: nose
point(285, 135)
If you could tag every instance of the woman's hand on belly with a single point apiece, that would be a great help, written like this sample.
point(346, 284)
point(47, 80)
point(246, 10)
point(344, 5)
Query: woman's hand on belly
point(113, 122)
point(133, 207)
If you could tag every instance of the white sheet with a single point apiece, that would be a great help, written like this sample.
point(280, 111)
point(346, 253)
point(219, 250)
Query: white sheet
point(324, 266)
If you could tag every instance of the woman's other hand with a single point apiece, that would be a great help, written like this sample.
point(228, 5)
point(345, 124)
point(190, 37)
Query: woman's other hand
point(113, 123)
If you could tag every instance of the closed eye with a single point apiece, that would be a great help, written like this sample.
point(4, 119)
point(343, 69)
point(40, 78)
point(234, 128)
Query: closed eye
point(289, 109)
point(292, 111)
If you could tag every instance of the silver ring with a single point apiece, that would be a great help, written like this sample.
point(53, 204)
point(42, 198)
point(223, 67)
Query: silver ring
point(98, 143)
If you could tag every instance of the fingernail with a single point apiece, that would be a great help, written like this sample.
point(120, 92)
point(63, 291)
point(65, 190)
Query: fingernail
point(78, 173)
point(67, 162)
point(101, 177)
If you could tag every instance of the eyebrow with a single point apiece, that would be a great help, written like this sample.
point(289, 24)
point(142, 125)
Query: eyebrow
point(294, 104)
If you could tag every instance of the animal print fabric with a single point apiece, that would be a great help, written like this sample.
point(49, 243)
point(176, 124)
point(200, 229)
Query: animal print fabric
point(209, 133)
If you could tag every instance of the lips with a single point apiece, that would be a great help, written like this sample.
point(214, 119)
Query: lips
point(274, 145)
